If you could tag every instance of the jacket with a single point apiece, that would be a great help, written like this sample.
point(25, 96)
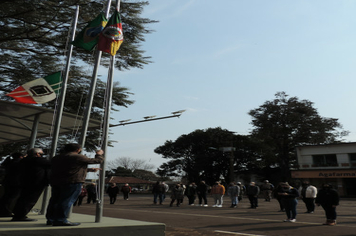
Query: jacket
point(253, 190)
point(233, 191)
point(310, 192)
point(218, 189)
point(70, 168)
point(34, 170)
point(327, 197)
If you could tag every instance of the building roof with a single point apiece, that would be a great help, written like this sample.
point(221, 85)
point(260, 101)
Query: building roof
point(17, 119)
point(129, 180)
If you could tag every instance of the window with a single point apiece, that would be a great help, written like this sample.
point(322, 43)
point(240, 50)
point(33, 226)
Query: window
point(325, 160)
point(352, 157)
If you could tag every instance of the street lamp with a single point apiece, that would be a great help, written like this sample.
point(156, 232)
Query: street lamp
point(149, 118)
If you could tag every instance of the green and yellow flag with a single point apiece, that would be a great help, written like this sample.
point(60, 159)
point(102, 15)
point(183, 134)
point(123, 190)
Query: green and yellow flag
point(89, 36)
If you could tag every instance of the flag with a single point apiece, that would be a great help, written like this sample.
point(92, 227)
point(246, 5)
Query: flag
point(111, 37)
point(38, 91)
point(88, 37)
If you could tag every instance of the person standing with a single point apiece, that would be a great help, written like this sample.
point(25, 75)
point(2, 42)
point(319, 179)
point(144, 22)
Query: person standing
point(233, 191)
point(202, 191)
point(218, 192)
point(328, 198)
point(11, 184)
point(112, 191)
point(191, 192)
point(289, 197)
point(252, 192)
point(242, 191)
point(308, 194)
point(158, 191)
point(68, 173)
point(166, 188)
point(267, 189)
point(177, 194)
point(279, 197)
point(126, 190)
point(34, 177)
point(91, 190)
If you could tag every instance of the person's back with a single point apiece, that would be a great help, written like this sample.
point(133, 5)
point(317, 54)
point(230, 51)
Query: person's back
point(70, 168)
point(34, 178)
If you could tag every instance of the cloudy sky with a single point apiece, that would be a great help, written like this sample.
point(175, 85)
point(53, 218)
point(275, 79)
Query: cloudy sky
point(219, 59)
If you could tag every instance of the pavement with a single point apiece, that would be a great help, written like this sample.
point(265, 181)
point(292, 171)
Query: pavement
point(225, 221)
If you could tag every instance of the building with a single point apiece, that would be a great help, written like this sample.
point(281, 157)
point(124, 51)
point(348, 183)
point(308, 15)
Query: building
point(331, 163)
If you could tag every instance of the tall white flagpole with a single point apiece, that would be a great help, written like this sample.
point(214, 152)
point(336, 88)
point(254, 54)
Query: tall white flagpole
point(109, 87)
point(59, 111)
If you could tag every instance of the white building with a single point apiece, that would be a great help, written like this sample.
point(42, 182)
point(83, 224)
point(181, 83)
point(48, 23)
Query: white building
point(332, 163)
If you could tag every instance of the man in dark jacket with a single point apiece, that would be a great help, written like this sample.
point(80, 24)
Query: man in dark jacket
point(34, 172)
point(11, 184)
point(252, 194)
point(68, 173)
point(328, 198)
point(112, 190)
point(158, 190)
point(202, 191)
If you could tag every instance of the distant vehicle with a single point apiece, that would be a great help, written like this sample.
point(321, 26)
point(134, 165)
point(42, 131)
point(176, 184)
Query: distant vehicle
point(137, 189)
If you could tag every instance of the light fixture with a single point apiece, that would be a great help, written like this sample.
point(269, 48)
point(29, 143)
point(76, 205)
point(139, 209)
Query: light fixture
point(177, 112)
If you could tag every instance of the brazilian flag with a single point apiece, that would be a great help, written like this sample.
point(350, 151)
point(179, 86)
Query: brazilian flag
point(89, 36)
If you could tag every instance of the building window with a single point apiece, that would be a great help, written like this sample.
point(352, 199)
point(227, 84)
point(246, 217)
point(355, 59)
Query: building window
point(352, 157)
point(325, 160)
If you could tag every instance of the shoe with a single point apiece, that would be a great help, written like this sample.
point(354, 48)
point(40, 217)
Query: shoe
point(332, 222)
point(49, 222)
point(219, 206)
point(206, 205)
point(286, 220)
point(200, 205)
point(293, 220)
point(214, 205)
point(23, 219)
point(68, 223)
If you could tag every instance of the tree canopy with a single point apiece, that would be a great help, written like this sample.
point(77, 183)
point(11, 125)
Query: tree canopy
point(199, 155)
point(286, 122)
point(33, 43)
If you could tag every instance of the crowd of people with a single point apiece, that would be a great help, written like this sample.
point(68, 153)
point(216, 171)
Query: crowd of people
point(286, 195)
point(26, 176)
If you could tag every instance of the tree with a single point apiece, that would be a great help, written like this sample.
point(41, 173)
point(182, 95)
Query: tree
point(198, 155)
point(145, 174)
point(130, 164)
point(33, 42)
point(286, 122)
point(119, 171)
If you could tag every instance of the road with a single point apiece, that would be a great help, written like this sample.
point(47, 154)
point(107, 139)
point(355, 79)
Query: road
point(225, 221)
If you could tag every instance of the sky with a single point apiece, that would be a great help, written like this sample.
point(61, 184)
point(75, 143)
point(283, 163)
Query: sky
point(220, 59)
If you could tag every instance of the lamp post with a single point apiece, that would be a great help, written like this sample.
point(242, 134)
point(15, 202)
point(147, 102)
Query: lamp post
point(149, 118)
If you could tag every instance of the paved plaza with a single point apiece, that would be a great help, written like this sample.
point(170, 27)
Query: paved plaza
point(197, 220)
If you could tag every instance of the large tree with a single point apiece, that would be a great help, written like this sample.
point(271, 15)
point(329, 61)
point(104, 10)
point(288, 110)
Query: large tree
point(286, 122)
point(33, 43)
point(200, 155)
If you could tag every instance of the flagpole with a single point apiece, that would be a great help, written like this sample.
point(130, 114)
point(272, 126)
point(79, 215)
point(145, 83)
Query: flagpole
point(90, 98)
point(109, 87)
point(59, 111)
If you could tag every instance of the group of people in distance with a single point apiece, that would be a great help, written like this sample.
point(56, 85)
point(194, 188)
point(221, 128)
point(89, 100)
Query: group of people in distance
point(286, 195)
point(113, 191)
point(26, 176)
